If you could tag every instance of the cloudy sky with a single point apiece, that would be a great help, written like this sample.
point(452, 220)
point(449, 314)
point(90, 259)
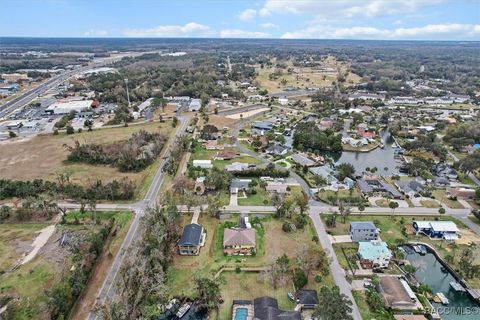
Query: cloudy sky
point(297, 19)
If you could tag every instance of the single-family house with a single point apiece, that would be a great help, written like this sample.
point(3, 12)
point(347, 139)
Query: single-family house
point(374, 254)
point(446, 230)
point(410, 187)
point(277, 150)
point(445, 171)
point(213, 145)
point(396, 293)
point(239, 185)
point(204, 164)
point(238, 166)
point(372, 186)
point(266, 308)
point(225, 155)
point(364, 132)
point(307, 299)
point(262, 125)
point(363, 231)
point(303, 160)
point(326, 172)
point(325, 123)
point(193, 238)
point(275, 186)
point(239, 241)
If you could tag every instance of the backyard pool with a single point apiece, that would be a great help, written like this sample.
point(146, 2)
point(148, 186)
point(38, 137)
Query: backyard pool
point(241, 314)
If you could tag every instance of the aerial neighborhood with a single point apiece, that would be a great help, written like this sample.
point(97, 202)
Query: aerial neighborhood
point(244, 179)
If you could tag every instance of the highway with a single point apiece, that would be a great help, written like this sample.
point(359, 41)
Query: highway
point(107, 291)
point(25, 98)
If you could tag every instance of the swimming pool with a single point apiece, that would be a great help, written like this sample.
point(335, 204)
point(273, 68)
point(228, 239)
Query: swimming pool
point(241, 314)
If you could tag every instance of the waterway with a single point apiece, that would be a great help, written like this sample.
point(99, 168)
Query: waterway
point(379, 158)
point(431, 271)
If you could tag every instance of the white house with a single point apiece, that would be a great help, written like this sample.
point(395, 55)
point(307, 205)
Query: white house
point(204, 164)
point(375, 254)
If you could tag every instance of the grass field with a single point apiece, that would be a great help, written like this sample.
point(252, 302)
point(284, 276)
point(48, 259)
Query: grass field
point(15, 240)
point(440, 195)
point(30, 281)
point(44, 156)
point(261, 198)
point(429, 204)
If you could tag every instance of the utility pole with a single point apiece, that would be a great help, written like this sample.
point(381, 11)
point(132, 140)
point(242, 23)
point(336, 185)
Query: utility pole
point(128, 96)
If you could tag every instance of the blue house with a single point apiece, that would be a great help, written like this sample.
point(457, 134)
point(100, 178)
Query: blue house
point(446, 230)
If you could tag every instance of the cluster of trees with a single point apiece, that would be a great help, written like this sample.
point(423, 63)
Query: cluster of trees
point(180, 147)
point(114, 190)
point(63, 295)
point(287, 206)
point(143, 275)
point(309, 138)
point(463, 135)
point(470, 163)
point(269, 170)
point(428, 142)
point(135, 154)
point(65, 120)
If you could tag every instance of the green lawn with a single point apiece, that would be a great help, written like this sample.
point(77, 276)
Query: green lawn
point(441, 196)
point(429, 204)
point(261, 198)
point(346, 196)
point(351, 250)
point(10, 234)
point(366, 313)
point(382, 203)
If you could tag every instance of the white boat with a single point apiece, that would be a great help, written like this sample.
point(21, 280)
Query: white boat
point(183, 310)
point(457, 286)
point(423, 250)
point(442, 298)
point(417, 249)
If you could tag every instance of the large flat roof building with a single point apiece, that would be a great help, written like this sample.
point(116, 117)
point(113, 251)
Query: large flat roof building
point(64, 107)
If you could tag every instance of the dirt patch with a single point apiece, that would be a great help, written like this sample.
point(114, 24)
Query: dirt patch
point(467, 237)
point(246, 114)
point(221, 122)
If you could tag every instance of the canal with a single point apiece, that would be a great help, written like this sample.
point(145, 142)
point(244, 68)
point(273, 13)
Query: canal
point(379, 158)
point(431, 271)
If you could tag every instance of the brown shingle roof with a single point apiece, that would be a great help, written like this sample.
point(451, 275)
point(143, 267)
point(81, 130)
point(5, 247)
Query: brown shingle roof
point(239, 237)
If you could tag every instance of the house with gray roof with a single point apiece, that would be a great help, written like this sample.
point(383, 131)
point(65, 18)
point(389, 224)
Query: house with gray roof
point(266, 308)
point(326, 172)
point(373, 186)
point(277, 150)
point(303, 160)
point(363, 231)
point(410, 187)
point(239, 185)
point(193, 238)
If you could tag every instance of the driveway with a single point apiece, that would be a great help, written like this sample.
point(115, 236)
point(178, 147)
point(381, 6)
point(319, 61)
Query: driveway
point(401, 203)
point(340, 239)
point(416, 201)
point(233, 199)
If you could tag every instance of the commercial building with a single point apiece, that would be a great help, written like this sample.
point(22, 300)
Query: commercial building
point(65, 107)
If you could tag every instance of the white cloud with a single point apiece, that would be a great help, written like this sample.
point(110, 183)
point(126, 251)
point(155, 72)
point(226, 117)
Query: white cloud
point(264, 12)
point(191, 29)
point(453, 31)
point(96, 33)
point(345, 9)
point(247, 15)
point(268, 25)
point(237, 33)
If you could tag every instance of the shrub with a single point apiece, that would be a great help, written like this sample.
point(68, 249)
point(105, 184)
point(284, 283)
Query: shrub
point(300, 280)
point(70, 130)
point(318, 278)
point(286, 227)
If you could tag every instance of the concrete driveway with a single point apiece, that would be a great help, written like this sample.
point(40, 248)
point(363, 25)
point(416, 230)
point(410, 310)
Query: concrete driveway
point(340, 239)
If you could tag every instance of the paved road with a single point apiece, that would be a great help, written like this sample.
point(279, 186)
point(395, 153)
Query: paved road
point(337, 271)
point(107, 291)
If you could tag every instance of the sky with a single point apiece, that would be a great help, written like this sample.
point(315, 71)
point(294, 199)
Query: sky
point(288, 19)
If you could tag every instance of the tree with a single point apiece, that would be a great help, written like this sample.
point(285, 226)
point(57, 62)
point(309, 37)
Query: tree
point(208, 291)
point(344, 212)
point(333, 305)
point(361, 207)
point(345, 170)
point(410, 269)
point(174, 122)
point(300, 280)
point(12, 134)
point(70, 130)
point(4, 213)
point(393, 205)
point(441, 210)
point(319, 181)
point(214, 204)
